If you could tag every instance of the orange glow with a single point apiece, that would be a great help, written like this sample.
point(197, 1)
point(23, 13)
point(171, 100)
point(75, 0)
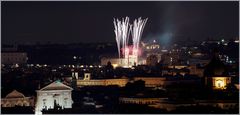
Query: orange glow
point(114, 65)
point(220, 82)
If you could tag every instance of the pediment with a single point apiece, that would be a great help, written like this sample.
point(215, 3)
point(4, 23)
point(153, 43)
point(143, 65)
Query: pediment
point(57, 85)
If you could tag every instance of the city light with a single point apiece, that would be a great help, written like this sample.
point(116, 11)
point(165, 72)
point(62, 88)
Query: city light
point(220, 83)
point(222, 40)
point(115, 65)
point(120, 57)
point(74, 57)
point(16, 65)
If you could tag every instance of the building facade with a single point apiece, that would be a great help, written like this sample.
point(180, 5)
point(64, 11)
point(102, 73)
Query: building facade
point(53, 95)
point(121, 82)
point(216, 74)
point(16, 98)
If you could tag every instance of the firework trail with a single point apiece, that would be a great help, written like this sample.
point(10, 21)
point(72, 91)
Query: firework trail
point(138, 26)
point(122, 31)
point(117, 34)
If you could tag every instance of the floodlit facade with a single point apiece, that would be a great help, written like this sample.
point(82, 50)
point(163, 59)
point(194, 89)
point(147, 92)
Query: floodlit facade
point(221, 82)
point(216, 74)
point(123, 62)
point(121, 82)
point(54, 94)
point(152, 48)
point(16, 98)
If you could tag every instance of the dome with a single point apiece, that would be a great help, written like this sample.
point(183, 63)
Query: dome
point(215, 68)
point(15, 94)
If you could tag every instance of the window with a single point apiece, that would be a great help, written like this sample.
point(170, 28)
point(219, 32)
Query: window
point(219, 83)
point(44, 103)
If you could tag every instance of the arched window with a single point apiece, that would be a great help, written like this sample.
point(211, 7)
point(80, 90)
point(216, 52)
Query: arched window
point(219, 83)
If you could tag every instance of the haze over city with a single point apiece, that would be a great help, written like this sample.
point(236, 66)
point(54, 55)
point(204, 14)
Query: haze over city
point(137, 57)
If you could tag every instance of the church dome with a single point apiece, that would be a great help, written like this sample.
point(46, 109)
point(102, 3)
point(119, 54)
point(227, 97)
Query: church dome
point(215, 68)
point(15, 94)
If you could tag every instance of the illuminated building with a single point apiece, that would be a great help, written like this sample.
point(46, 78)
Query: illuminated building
point(220, 82)
point(75, 74)
point(53, 94)
point(87, 81)
point(116, 62)
point(152, 48)
point(122, 31)
point(126, 62)
point(132, 57)
point(121, 82)
point(216, 74)
point(14, 57)
point(16, 98)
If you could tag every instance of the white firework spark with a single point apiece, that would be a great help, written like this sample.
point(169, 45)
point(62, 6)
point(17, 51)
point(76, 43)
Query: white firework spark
point(117, 34)
point(138, 26)
point(122, 31)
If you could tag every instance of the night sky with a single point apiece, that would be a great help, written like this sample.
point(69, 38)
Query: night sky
point(79, 21)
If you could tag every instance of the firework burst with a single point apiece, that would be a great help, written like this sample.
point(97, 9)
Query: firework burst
point(122, 32)
point(138, 26)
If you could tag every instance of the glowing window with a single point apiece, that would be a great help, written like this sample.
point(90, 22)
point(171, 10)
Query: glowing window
point(219, 83)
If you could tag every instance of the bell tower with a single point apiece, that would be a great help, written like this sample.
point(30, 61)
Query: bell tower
point(87, 76)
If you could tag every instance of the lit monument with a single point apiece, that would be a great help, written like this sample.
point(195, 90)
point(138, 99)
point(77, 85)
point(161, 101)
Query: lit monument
point(122, 32)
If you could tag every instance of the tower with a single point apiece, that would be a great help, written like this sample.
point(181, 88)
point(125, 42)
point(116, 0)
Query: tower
point(87, 76)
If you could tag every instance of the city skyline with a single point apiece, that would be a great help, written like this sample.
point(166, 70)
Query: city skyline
point(106, 57)
point(72, 22)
